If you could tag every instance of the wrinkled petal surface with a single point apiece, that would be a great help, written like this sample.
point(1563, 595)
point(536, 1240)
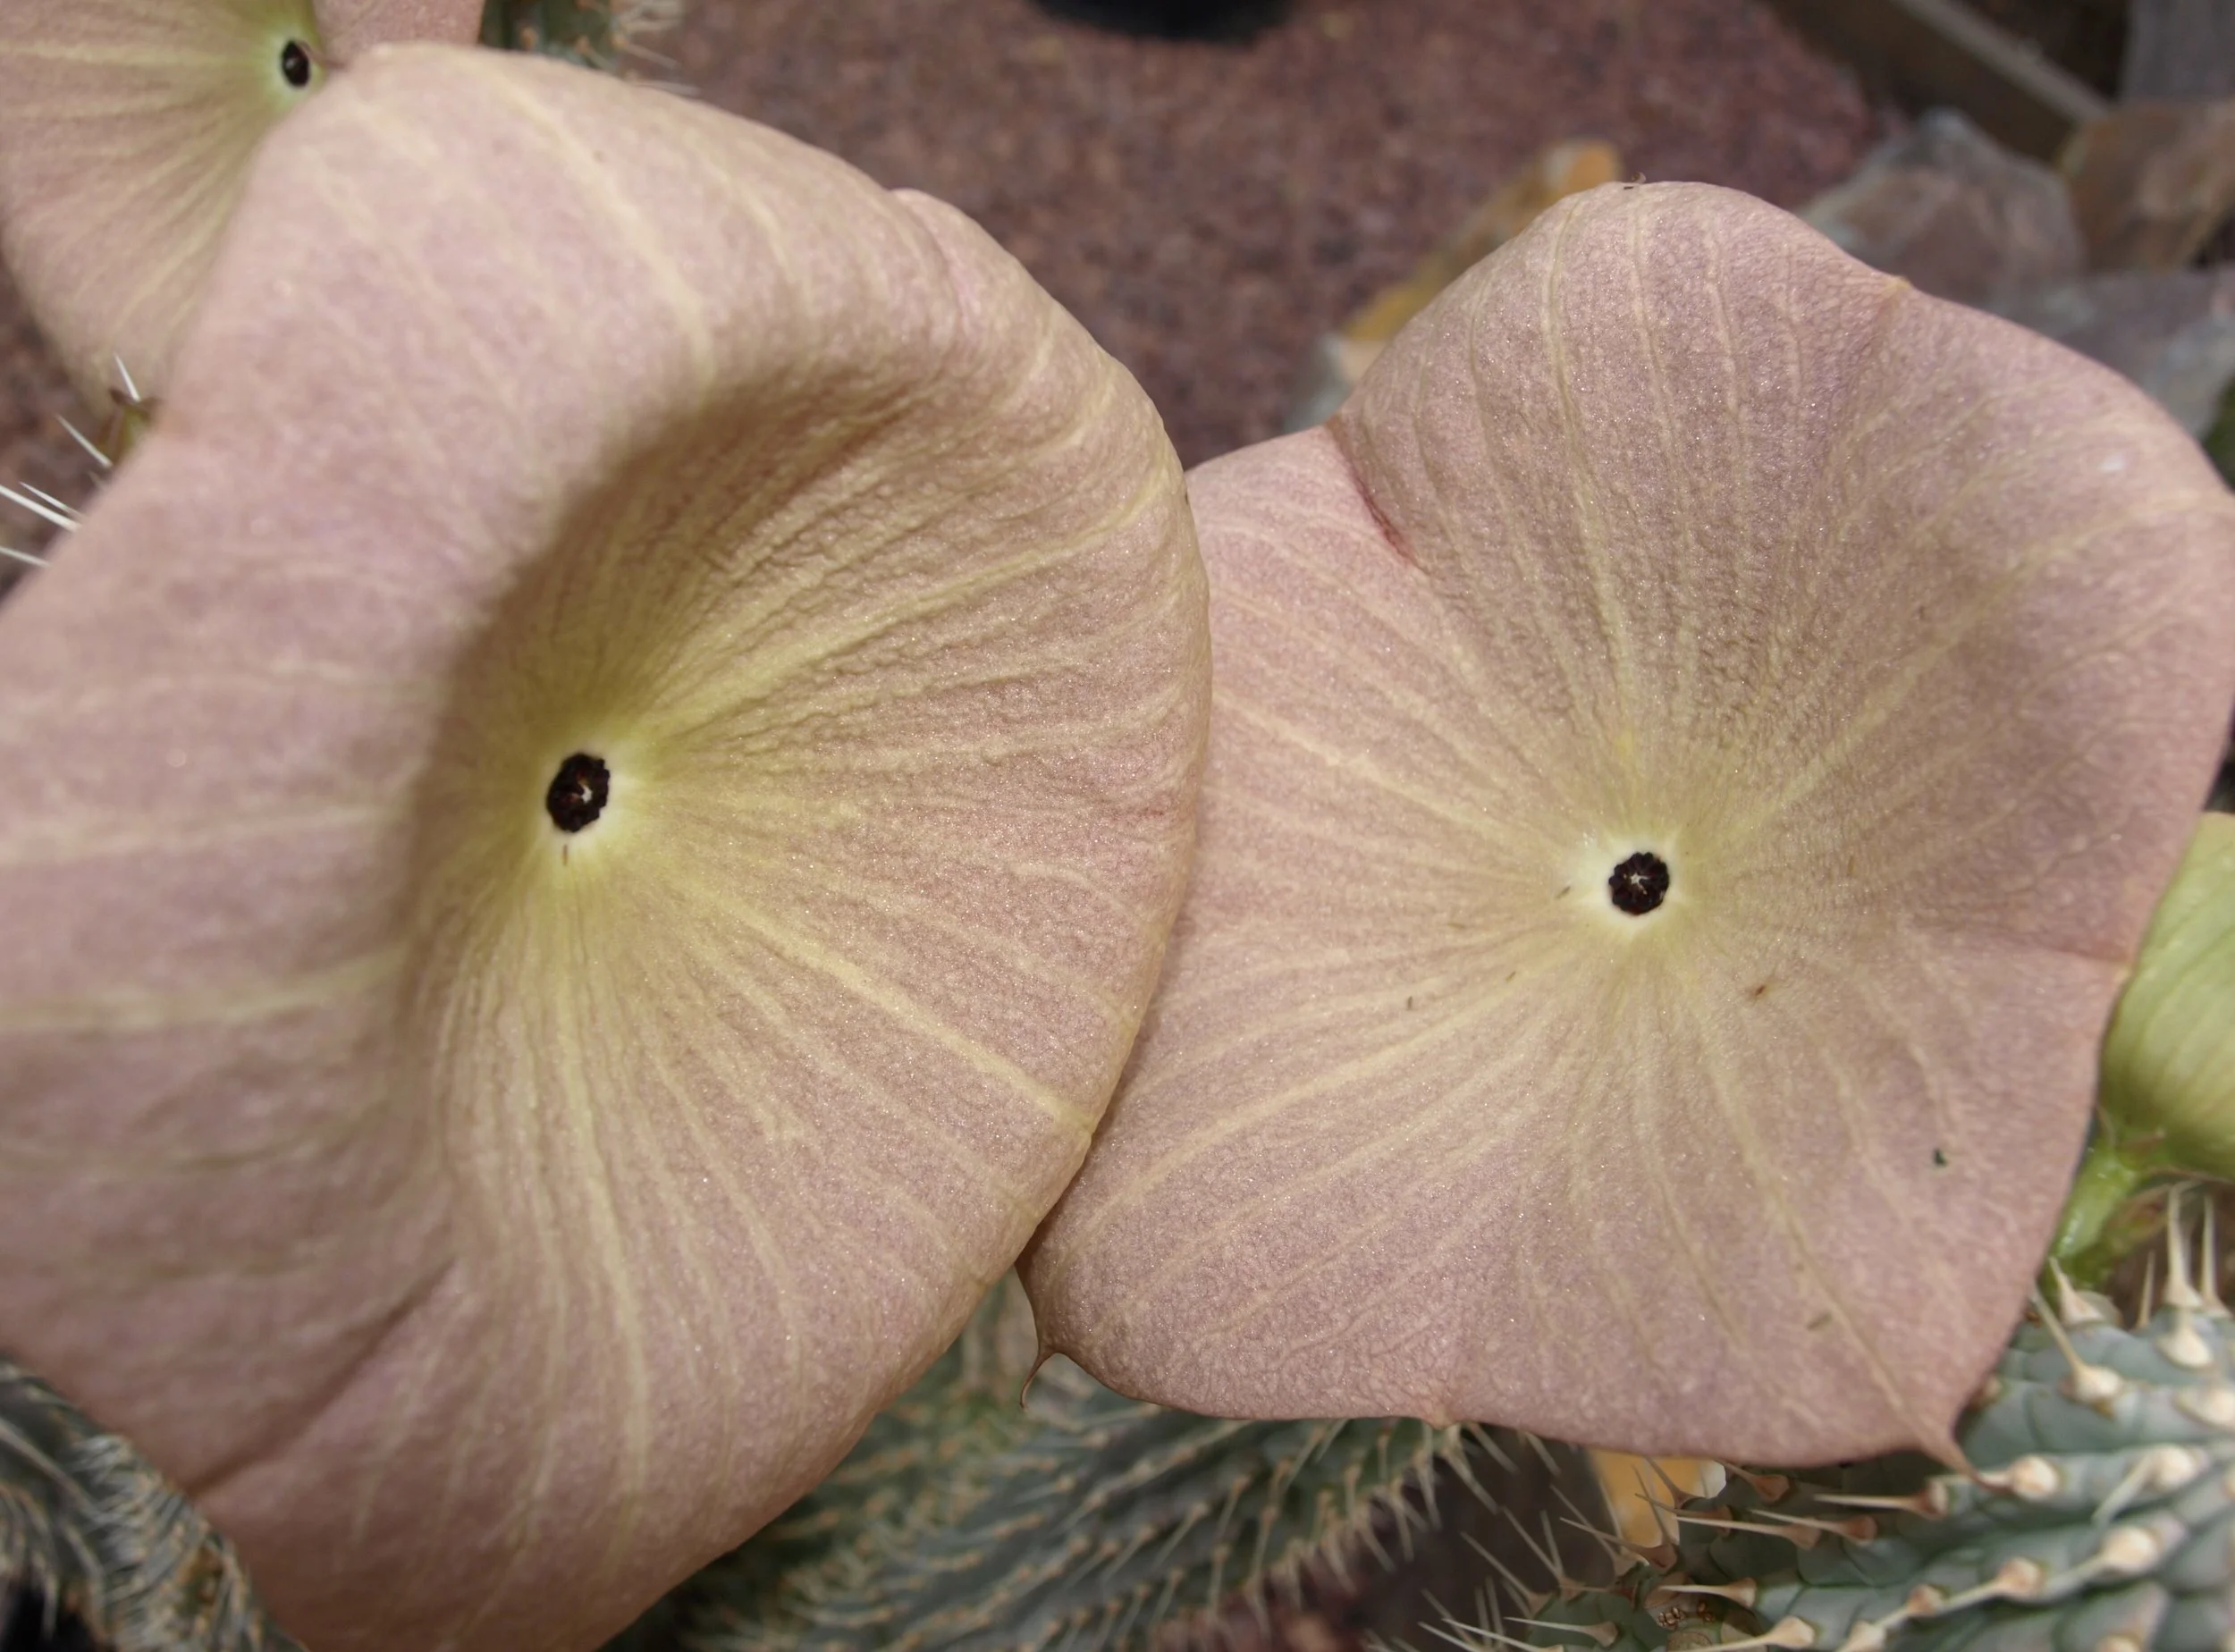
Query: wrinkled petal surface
point(126, 127)
point(490, 1221)
point(1901, 639)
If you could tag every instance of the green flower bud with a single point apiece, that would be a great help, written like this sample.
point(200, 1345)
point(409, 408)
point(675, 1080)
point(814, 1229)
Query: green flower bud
point(2169, 1060)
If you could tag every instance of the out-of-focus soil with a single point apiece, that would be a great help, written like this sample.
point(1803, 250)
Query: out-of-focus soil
point(1208, 209)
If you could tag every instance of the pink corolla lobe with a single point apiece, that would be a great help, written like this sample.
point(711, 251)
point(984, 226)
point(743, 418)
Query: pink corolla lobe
point(126, 131)
point(1904, 639)
point(488, 1217)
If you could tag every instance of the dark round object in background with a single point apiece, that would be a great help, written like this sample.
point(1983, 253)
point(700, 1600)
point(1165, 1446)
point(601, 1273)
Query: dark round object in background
point(579, 792)
point(1175, 19)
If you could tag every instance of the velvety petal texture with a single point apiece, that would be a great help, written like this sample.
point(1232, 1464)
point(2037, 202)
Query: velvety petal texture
point(125, 132)
point(590, 823)
point(1695, 744)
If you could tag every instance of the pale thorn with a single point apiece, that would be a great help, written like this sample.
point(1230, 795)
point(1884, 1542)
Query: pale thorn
point(2073, 1306)
point(43, 497)
point(2130, 1483)
point(1792, 1633)
point(1768, 1488)
point(1802, 1534)
point(2031, 1477)
point(2014, 1580)
point(10, 553)
point(1529, 1599)
point(2208, 1259)
point(1225, 1516)
point(2212, 1405)
point(1547, 1556)
point(2185, 1345)
point(1745, 1592)
point(1932, 1502)
point(1185, 1526)
point(1570, 1588)
point(2017, 1579)
point(1871, 1634)
point(2178, 1293)
point(92, 448)
point(1498, 1613)
point(2127, 1552)
point(1605, 1634)
point(1474, 1636)
point(1611, 1544)
point(1459, 1468)
point(1487, 1442)
point(1663, 1512)
point(1485, 1606)
point(131, 390)
point(2147, 1309)
point(1368, 1539)
point(2089, 1385)
point(1861, 1529)
point(1408, 1522)
point(61, 515)
point(1676, 1492)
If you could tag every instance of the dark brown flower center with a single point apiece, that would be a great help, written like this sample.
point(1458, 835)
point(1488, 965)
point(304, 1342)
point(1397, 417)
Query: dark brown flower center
point(1639, 883)
point(578, 791)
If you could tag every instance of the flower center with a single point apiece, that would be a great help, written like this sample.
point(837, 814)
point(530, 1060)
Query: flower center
point(578, 791)
point(295, 64)
point(1639, 883)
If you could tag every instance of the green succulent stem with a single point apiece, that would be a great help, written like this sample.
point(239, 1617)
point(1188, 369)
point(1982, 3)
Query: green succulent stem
point(2099, 1226)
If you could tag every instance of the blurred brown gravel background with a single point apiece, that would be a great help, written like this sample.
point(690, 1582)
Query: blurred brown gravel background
point(1207, 209)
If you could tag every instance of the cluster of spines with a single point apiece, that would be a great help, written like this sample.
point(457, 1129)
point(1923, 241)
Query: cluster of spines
point(89, 1530)
point(2096, 1513)
point(126, 424)
point(1082, 1520)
